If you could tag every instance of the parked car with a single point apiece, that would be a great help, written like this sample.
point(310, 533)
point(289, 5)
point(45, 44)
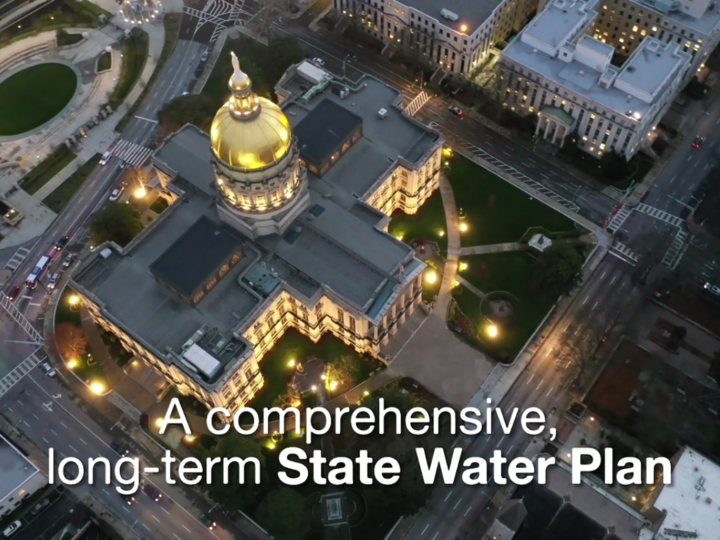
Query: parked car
point(39, 507)
point(119, 449)
point(48, 369)
point(12, 529)
point(69, 259)
point(60, 244)
point(152, 492)
point(53, 281)
point(105, 158)
point(697, 143)
point(209, 523)
point(204, 56)
point(714, 289)
point(14, 292)
point(457, 111)
point(319, 61)
point(115, 195)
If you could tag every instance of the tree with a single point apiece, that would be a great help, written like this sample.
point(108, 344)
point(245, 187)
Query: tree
point(235, 495)
point(198, 110)
point(559, 270)
point(118, 223)
point(614, 166)
point(283, 514)
point(342, 371)
point(289, 398)
point(577, 357)
point(71, 340)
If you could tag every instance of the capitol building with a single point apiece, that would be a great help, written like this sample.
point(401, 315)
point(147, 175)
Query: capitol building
point(277, 219)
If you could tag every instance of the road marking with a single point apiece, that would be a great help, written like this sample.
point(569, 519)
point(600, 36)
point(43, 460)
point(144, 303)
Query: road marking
point(622, 284)
point(568, 364)
point(509, 155)
point(35, 416)
point(448, 495)
point(457, 503)
point(63, 424)
point(689, 158)
point(566, 326)
point(106, 491)
point(161, 508)
point(147, 119)
point(718, 122)
point(35, 304)
point(44, 439)
point(509, 449)
point(548, 353)
point(425, 529)
point(156, 519)
point(673, 179)
point(498, 444)
point(530, 379)
point(148, 528)
point(28, 297)
point(576, 331)
point(539, 384)
point(613, 280)
point(434, 537)
point(188, 530)
point(467, 511)
point(176, 536)
point(20, 402)
point(594, 306)
point(82, 441)
point(586, 299)
point(551, 389)
point(603, 274)
point(55, 432)
point(73, 448)
point(9, 409)
point(125, 508)
point(24, 422)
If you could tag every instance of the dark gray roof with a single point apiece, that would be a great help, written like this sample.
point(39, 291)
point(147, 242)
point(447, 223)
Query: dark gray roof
point(196, 256)
point(323, 130)
point(187, 152)
point(15, 469)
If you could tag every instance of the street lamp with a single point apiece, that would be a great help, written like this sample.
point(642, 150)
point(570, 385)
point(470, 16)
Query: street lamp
point(431, 277)
point(97, 388)
point(463, 227)
point(492, 331)
point(140, 192)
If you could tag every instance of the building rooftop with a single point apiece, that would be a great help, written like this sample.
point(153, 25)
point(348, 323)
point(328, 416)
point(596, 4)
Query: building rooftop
point(15, 469)
point(196, 256)
point(190, 160)
point(630, 91)
point(324, 129)
point(128, 291)
point(705, 23)
point(470, 12)
point(691, 502)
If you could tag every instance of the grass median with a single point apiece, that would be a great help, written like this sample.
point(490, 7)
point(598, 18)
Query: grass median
point(59, 198)
point(134, 55)
point(44, 171)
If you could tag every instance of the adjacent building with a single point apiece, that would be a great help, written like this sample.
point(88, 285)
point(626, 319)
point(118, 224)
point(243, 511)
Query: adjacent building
point(455, 35)
point(19, 477)
point(559, 71)
point(277, 220)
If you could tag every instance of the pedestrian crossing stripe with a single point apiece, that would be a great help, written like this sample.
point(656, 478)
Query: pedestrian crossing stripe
point(660, 214)
point(133, 154)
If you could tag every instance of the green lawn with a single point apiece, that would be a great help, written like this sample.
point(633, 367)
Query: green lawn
point(590, 165)
point(44, 171)
point(496, 211)
point(171, 23)
point(104, 62)
point(134, 55)
point(427, 223)
point(64, 39)
point(57, 200)
point(510, 272)
point(294, 346)
point(26, 103)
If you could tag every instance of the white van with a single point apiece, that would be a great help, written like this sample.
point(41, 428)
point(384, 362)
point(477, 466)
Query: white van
point(105, 158)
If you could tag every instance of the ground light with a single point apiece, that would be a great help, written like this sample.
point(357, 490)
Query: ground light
point(442, 233)
point(431, 277)
point(190, 437)
point(72, 364)
point(291, 362)
point(492, 331)
point(159, 422)
point(333, 386)
point(97, 388)
point(463, 266)
point(140, 192)
point(74, 300)
point(463, 227)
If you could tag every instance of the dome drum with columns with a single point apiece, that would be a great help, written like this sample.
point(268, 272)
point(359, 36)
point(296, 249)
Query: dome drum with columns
point(256, 161)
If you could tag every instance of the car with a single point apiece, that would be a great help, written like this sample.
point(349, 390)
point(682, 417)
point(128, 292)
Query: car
point(204, 56)
point(69, 259)
point(39, 507)
point(129, 499)
point(457, 111)
point(115, 195)
point(319, 61)
point(124, 165)
point(119, 449)
point(54, 278)
point(105, 158)
point(152, 492)
point(714, 289)
point(60, 244)
point(14, 526)
point(14, 292)
point(697, 143)
point(209, 523)
point(48, 369)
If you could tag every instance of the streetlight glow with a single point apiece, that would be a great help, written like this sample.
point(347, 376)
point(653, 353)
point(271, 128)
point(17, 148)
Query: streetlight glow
point(97, 387)
point(463, 28)
point(190, 437)
point(492, 331)
point(431, 277)
point(72, 363)
point(333, 385)
point(291, 363)
point(74, 300)
point(463, 227)
point(159, 422)
point(463, 266)
point(140, 192)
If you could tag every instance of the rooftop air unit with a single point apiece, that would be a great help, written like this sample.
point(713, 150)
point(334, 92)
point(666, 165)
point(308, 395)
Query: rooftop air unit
point(450, 15)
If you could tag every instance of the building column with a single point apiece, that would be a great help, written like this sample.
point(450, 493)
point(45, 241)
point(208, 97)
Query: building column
point(547, 128)
point(541, 119)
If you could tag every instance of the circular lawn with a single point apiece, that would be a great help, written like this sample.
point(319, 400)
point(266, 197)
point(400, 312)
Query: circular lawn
point(31, 97)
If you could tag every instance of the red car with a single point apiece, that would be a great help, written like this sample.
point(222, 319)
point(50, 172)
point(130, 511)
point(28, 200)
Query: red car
point(698, 141)
point(14, 292)
point(457, 111)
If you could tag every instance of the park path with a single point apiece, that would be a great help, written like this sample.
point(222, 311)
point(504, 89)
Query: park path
point(453, 252)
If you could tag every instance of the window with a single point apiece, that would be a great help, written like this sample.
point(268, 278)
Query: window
point(341, 316)
point(351, 321)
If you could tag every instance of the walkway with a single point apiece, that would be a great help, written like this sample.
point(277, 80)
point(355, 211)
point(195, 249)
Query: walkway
point(465, 283)
point(493, 248)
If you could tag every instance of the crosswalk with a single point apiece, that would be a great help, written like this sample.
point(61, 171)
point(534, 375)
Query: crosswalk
point(17, 259)
point(14, 377)
point(618, 219)
point(675, 251)
point(417, 102)
point(659, 214)
point(625, 251)
point(133, 154)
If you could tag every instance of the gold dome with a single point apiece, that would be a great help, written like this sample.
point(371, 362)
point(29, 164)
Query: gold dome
point(249, 132)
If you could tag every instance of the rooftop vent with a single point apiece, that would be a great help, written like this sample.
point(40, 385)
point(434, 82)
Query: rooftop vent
point(582, 72)
point(450, 15)
point(631, 69)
